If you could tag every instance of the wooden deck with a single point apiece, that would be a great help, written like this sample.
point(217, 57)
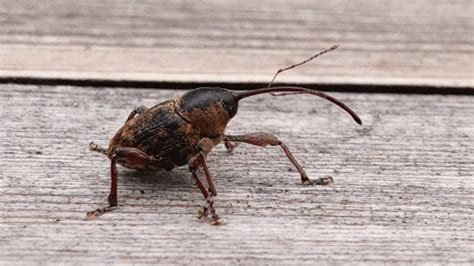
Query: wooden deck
point(404, 183)
point(424, 42)
point(403, 188)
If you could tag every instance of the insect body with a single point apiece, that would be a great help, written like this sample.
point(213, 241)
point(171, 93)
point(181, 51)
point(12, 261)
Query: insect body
point(184, 131)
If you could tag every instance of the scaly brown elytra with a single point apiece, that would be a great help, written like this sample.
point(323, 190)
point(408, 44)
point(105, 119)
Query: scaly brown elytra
point(183, 132)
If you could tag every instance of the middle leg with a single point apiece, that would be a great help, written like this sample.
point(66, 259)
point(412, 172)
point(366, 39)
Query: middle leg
point(205, 146)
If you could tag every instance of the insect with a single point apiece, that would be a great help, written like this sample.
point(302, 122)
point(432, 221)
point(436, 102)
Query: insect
point(183, 132)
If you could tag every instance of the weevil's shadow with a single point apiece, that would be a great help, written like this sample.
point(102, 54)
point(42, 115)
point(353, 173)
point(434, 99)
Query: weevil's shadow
point(155, 180)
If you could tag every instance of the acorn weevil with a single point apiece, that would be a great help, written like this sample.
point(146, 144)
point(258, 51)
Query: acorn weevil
point(183, 132)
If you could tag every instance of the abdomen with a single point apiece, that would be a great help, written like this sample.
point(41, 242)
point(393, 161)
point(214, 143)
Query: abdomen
point(159, 132)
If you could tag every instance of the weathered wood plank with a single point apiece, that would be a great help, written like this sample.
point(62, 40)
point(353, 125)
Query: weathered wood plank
point(403, 188)
point(382, 42)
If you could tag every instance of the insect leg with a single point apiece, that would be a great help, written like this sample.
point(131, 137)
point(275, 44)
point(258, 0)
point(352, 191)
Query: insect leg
point(138, 110)
point(230, 145)
point(112, 198)
point(199, 184)
point(97, 148)
point(205, 146)
point(199, 159)
point(129, 157)
point(264, 139)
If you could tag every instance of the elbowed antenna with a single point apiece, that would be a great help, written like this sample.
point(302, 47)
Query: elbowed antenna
point(334, 47)
point(323, 95)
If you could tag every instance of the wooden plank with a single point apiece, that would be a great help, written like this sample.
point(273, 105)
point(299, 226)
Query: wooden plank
point(403, 190)
point(422, 43)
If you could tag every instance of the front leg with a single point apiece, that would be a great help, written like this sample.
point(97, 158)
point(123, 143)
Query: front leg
point(230, 145)
point(264, 139)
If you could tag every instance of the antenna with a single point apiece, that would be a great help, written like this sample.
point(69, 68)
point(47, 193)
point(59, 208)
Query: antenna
point(334, 47)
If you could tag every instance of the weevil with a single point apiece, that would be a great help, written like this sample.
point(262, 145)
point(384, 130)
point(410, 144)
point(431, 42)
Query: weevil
point(183, 132)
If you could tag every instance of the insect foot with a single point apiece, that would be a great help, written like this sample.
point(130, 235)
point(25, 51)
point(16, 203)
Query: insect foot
point(97, 148)
point(202, 212)
point(230, 145)
point(323, 181)
point(216, 220)
point(94, 214)
point(209, 209)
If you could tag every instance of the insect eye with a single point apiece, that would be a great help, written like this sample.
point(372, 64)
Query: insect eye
point(230, 103)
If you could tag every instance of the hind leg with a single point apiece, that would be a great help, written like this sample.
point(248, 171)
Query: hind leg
point(97, 148)
point(131, 158)
point(138, 110)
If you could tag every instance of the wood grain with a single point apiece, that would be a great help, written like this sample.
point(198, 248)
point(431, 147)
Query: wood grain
point(421, 43)
point(403, 190)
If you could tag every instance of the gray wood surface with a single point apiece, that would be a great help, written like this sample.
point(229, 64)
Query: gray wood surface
point(423, 42)
point(403, 190)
